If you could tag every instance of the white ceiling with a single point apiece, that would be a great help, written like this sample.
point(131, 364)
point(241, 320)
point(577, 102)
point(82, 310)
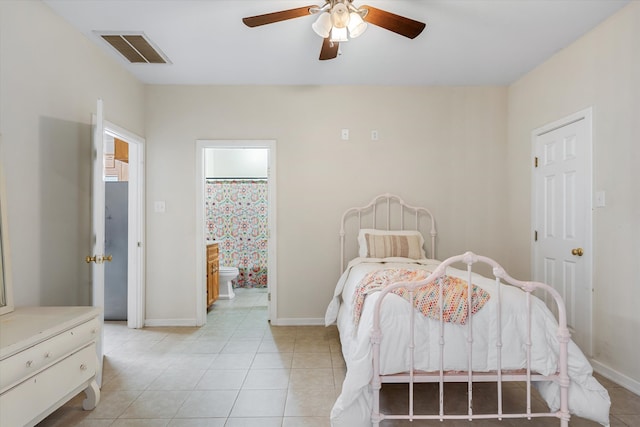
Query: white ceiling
point(466, 42)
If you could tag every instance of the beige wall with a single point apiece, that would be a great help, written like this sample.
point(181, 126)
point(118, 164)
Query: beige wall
point(462, 151)
point(439, 147)
point(602, 71)
point(50, 79)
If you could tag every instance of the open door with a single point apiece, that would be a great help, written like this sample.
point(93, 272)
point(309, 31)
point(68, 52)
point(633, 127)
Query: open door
point(97, 257)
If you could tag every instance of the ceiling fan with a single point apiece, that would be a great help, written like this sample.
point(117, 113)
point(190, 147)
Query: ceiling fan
point(340, 19)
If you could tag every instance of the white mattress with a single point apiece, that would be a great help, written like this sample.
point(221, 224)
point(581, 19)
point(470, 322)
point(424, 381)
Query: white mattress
point(587, 398)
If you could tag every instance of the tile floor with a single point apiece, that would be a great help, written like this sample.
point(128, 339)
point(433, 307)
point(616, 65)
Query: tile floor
point(237, 371)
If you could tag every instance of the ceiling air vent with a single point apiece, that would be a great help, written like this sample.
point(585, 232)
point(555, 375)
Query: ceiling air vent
point(136, 47)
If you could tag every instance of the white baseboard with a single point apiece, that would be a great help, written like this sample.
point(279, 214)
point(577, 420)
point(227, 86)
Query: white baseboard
point(169, 322)
point(298, 321)
point(294, 321)
point(615, 376)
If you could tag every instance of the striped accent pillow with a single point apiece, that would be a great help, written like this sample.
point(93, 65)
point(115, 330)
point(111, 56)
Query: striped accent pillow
point(393, 245)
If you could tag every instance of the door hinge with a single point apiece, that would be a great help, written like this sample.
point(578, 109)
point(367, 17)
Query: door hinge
point(535, 161)
point(269, 296)
point(535, 235)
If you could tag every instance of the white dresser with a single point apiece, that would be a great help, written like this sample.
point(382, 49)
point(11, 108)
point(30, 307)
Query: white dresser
point(47, 356)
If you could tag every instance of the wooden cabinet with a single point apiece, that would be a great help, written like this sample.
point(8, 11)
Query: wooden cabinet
point(116, 163)
point(47, 356)
point(121, 150)
point(213, 286)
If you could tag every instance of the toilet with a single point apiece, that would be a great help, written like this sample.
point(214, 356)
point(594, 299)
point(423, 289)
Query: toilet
point(225, 278)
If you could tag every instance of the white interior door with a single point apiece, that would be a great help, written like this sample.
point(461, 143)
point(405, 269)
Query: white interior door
point(97, 257)
point(562, 219)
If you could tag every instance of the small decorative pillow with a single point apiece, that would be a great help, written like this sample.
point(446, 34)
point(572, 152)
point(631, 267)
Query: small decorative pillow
point(390, 243)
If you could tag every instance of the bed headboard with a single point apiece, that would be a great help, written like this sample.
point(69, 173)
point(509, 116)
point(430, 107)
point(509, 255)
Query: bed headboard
point(385, 212)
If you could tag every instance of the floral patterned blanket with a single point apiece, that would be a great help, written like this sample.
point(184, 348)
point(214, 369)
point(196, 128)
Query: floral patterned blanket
point(426, 298)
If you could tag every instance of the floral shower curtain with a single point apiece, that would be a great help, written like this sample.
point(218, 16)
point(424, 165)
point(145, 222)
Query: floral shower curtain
point(236, 217)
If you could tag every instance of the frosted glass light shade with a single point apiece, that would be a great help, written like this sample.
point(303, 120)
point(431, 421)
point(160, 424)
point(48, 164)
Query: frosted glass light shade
point(356, 26)
point(339, 35)
point(340, 15)
point(323, 25)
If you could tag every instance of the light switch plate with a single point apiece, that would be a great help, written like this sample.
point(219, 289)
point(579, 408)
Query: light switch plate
point(159, 206)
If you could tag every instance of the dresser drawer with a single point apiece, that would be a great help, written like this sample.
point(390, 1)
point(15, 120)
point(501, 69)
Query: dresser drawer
point(29, 362)
point(37, 395)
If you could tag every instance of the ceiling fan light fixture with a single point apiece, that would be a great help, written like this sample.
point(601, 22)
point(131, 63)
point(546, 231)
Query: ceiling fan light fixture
point(339, 34)
point(340, 15)
point(323, 25)
point(339, 20)
point(356, 26)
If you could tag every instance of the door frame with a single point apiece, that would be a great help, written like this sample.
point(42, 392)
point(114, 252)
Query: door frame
point(587, 116)
point(201, 289)
point(136, 219)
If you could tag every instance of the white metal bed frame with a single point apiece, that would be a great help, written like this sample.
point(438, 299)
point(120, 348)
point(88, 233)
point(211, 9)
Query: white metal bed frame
point(499, 376)
point(393, 207)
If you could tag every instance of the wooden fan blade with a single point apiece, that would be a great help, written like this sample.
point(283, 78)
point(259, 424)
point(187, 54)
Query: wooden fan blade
point(283, 15)
point(329, 49)
point(392, 22)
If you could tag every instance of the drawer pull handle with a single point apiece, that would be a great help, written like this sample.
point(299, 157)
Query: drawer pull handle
point(29, 363)
point(47, 355)
point(83, 367)
point(93, 331)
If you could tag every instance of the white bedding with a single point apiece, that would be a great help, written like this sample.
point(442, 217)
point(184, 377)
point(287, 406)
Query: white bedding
point(587, 398)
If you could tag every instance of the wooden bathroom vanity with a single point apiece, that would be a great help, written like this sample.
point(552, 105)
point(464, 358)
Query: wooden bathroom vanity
point(213, 264)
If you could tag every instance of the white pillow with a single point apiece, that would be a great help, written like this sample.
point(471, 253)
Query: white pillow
point(390, 243)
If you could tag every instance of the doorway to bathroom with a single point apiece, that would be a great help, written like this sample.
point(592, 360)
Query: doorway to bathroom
point(236, 210)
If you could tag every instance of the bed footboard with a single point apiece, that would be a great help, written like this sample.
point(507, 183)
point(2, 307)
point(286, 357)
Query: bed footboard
point(498, 374)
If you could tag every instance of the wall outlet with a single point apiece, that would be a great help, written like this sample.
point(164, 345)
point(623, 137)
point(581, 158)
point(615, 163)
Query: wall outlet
point(345, 134)
point(375, 135)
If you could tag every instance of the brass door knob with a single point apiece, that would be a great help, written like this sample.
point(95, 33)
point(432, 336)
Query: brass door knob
point(577, 251)
point(98, 259)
